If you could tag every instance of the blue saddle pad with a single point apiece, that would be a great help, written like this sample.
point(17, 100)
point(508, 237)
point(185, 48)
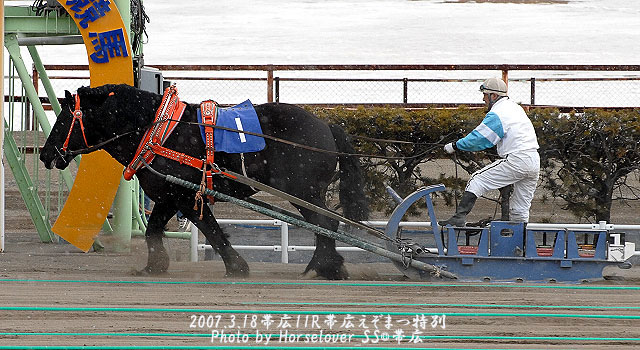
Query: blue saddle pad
point(240, 117)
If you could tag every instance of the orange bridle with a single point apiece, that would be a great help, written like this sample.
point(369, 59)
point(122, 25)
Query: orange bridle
point(77, 115)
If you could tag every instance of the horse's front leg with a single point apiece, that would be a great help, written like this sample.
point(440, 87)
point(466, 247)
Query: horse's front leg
point(158, 259)
point(234, 264)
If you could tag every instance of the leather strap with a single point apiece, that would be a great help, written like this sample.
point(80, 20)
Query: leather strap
point(209, 111)
point(167, 117)
point(77, 115)
point(177, 156)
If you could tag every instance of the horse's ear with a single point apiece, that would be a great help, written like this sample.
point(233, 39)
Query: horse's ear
point(69, 99)
point(68, 96)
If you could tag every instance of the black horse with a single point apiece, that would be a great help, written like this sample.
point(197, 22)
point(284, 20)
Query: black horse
point(125, 111)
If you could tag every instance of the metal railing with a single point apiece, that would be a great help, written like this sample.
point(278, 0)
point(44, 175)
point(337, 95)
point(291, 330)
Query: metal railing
point(413, 86)
point(284, 247)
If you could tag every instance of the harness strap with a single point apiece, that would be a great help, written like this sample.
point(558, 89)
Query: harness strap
point(185, 159)
point(177, 156)
point(166, 119)
point(209, 111)
point(77, 115)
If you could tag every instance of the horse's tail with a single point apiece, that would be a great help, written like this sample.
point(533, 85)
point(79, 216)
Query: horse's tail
point(354, 203)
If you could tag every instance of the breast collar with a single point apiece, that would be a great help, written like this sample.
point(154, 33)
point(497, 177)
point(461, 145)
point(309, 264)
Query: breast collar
point(167, 117)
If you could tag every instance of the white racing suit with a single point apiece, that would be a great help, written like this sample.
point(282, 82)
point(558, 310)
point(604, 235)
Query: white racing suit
point(508, 127)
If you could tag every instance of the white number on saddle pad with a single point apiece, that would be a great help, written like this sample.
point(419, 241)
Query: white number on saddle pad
point(239, 127)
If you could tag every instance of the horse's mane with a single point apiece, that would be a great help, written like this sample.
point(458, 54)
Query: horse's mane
point(130, 102)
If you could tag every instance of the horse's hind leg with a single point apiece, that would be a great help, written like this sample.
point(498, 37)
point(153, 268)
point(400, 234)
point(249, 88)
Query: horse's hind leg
point(234, 264)
point(158, 259)
point(326, 260)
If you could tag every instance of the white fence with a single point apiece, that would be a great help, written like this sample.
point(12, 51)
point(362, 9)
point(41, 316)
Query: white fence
point(284, 248)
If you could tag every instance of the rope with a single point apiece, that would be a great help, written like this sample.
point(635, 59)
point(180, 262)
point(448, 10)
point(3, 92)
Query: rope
point(400, 141)
point(455, 196)
point(139, 19)
point(41, 7)
point(277, 139)
point(498, 204)
point(96, 146)
point(198, 196)
point(315, 149)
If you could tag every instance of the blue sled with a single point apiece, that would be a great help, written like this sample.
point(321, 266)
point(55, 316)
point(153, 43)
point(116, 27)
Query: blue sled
point(504, 251)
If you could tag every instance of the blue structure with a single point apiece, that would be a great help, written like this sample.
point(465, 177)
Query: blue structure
point(505, 251)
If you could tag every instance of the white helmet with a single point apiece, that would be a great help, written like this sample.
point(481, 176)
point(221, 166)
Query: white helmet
point(494, 86)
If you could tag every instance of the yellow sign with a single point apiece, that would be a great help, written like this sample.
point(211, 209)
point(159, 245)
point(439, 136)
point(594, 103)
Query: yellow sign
point(109, 54)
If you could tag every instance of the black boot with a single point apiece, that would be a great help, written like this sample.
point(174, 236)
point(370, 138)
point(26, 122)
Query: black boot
point(460, 217)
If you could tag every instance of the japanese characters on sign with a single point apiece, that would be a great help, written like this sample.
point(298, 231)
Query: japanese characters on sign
point(106, 44)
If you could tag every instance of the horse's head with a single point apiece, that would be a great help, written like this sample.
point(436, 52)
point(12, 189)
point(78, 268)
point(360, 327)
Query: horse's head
point(72, 132)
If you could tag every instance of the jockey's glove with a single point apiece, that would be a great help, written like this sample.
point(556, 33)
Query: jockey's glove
point(450, 147)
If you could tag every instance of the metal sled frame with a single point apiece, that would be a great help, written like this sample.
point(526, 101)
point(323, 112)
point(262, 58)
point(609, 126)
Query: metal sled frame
point(505, 251)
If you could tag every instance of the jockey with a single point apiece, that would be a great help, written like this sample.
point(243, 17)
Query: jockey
point(506, 126)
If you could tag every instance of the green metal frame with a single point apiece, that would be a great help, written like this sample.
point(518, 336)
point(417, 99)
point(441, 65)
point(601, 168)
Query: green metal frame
point(28, 191)
point(22, 21)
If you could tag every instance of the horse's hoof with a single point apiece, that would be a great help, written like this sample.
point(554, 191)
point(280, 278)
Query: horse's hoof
point(309, 275)
point(144, 272)
point(135, 272)
point(339, 274)
point(149, 271)
point(326, 273)
point(236, 267)
point(237, 274)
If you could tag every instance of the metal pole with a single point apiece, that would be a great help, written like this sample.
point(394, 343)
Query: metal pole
point(269, 84)
point(124, 7)
point(284, 240)
point(194, 243)
point(137, 223)
point(533, 91)
point(29, 122)
point(505, 77)
point(44, 77)
point(11, 43)
point(2, 133)
point(405, 89)
point(47, 40)
point(122, 217)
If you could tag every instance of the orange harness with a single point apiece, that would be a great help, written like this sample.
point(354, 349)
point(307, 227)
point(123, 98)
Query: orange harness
point(167, 117)
point(77, 115)
point(209, 110)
